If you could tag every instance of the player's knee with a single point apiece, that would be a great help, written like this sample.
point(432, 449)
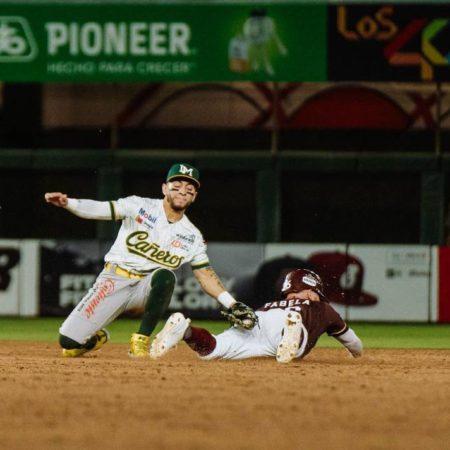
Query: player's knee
point(164, 279)
point(67, 343)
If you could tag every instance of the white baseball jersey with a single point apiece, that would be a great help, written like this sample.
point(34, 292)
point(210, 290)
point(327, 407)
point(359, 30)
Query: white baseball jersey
point(147, 240)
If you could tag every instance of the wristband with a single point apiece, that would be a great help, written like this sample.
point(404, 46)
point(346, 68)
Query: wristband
point(226, 299)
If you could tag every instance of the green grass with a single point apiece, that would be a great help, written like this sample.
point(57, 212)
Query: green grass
point(46, 329)
point(393, 335)
point(373, 335)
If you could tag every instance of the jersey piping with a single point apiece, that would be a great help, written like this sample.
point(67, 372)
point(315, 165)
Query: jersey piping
point(201, 265)
point(113, 211)
point(340, 332)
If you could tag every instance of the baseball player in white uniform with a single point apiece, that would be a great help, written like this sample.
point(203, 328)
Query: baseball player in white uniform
point(156, 237)
point(286, 329)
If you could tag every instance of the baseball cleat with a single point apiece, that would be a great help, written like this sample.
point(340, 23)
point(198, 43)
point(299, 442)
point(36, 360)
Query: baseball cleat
point(139, 346)
point(102, 338)
point(290, 341)
point(170, 335)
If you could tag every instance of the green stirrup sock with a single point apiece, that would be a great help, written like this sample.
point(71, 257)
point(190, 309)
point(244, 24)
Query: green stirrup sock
point(162, 286)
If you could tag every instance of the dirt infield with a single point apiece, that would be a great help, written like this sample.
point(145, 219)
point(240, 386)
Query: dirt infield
point(390, 399)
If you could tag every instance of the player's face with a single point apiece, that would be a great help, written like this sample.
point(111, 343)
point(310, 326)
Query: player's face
point(307, 294)
point(179, 194)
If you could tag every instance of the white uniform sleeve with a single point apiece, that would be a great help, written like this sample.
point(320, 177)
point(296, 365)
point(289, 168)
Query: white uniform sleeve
point(91, 209)
point(351, 342)
point(200, 259)
point(127, 207)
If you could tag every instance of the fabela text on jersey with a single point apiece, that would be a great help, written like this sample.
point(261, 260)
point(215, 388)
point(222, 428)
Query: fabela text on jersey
point(138, 245)
point(286, 303)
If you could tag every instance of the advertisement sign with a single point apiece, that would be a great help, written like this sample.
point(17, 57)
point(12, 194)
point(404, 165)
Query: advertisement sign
point(399, 277)
point(94, 42)
point(19, 268)
point(9, 277)
point(389, 42)
point(165, 42)
point(69, 268)
point(236, 264)
point(370, 282)
point(402, 283)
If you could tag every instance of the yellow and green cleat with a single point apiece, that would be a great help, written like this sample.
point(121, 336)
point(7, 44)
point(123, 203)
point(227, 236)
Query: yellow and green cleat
point(139, 346)
point(102, 338)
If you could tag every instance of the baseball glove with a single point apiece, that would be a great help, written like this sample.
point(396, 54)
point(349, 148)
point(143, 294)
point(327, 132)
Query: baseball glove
point(241, 315)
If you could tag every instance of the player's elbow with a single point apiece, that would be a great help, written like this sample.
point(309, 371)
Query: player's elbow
point(351, 342)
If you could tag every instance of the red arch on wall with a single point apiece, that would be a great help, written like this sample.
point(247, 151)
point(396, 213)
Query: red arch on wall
point(349, 107)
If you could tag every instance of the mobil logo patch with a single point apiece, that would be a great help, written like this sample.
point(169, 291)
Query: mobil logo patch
point(146, 218)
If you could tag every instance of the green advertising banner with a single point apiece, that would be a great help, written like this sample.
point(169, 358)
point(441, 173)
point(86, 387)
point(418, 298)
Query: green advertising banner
point(162, 42)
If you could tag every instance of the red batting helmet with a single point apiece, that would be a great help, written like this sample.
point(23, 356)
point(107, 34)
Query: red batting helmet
point(301, 279)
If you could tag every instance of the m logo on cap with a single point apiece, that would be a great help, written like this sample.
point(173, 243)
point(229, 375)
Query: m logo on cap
point(186, 170)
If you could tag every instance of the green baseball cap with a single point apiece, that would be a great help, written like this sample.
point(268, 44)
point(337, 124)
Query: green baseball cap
point(184, 171)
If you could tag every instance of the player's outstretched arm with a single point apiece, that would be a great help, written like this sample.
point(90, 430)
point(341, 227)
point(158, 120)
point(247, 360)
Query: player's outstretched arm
point(87, 209)
point(237, 312)
point(213, 286)
point(351, 342)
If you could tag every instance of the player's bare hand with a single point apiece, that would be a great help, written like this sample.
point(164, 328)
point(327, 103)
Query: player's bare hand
point(56, 198)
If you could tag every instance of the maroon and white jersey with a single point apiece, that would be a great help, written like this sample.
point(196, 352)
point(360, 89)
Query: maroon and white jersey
point(318, 318)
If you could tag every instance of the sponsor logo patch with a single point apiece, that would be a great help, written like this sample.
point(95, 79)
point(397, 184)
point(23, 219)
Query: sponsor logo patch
point(101, 291)
point(190, 238)
point(310, 281)
point(147, 216)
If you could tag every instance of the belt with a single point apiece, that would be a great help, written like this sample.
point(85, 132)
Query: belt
point(124, 272)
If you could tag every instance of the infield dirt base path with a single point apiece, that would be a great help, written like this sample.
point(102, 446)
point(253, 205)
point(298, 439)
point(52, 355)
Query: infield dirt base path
point(389, 399)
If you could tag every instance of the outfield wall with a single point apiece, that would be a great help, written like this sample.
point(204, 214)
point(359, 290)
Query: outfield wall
point(404, 283)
